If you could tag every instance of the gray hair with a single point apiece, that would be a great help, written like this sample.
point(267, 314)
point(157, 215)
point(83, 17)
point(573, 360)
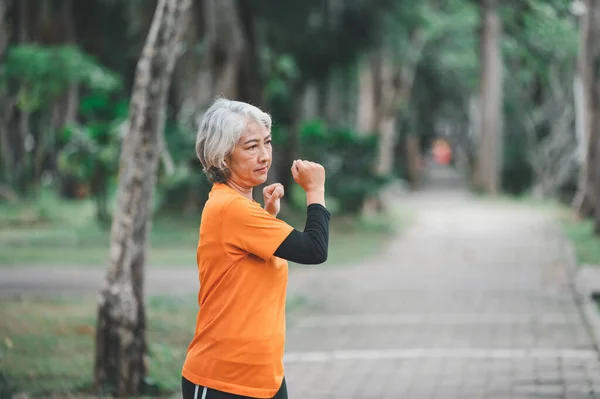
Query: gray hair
point(220, 129)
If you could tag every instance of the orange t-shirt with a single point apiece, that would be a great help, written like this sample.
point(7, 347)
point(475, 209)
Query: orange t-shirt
point(239, 340)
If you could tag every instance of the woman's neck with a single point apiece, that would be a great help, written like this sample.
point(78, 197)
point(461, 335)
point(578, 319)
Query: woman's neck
point(245, 191)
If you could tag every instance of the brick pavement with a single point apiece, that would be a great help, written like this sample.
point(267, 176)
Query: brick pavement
point(472, 301)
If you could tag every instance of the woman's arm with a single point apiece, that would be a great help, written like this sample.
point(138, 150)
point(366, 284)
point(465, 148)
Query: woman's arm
point(311, 246)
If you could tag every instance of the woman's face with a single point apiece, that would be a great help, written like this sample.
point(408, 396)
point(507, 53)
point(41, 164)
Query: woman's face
point(250, 160)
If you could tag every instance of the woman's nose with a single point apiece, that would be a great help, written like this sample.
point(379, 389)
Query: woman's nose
point(265, 154)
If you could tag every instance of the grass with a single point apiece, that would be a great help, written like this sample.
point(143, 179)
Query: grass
point(53, 232)
point(585, 243)
point(49, 232)
point(580, 232)
point(47, 346)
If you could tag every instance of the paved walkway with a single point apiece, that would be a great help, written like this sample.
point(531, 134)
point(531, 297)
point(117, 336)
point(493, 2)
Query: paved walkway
point(471, 302)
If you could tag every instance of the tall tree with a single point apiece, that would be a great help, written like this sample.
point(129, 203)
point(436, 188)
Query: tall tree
point(490, 131)
point(3, 30)
point(5, 150)
point(121, 347)
point(226, 66)
point(593, 42)
point(385, 86)
point(583, 203)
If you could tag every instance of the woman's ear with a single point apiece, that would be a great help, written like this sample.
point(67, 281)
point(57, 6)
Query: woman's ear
point(227, 159)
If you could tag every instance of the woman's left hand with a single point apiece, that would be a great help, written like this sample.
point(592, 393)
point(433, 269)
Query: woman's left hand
point(272, 195)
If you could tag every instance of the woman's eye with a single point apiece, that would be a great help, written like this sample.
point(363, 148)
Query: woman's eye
point(268, 142)
point(253, 147)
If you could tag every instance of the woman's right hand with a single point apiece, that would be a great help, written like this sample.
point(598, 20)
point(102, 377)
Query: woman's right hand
point(309, 175)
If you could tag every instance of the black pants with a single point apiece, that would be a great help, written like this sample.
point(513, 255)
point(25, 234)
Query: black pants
point(193, 391)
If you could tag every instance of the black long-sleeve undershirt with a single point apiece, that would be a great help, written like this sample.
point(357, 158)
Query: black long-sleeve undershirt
point(311, 246)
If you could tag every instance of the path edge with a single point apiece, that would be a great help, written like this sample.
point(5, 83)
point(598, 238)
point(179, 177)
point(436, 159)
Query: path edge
point(582, 291)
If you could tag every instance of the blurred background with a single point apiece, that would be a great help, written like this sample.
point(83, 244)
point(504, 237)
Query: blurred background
point(505, 94)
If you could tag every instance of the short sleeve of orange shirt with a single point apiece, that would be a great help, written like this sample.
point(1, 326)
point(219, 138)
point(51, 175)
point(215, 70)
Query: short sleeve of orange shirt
point(239, 338)
point(252, 229)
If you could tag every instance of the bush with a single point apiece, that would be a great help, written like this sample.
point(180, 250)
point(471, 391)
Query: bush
point(185, 191)
point(349, 159)
point(517, 173)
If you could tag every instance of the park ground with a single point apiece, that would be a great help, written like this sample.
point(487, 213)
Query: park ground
point(467, 297)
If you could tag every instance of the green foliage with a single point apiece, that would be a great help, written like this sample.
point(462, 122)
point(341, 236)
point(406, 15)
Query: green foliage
point(349, 159)
point(451, 37)
point(7, 386)
point(41, 73)
point(37, 76)
point(319, 34)
point(448, 68)
point(280, 89)
point(187, 188)
point(517, 173)
point(84, 154)
point(316, 42)
point(538, 34)
point(89, 152)
point(93, 147)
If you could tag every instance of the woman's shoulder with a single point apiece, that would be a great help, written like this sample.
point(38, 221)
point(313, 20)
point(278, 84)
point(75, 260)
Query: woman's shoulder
point(225, 203)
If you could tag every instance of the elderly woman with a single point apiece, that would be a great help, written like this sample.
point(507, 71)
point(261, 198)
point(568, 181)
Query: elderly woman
point(238, 345)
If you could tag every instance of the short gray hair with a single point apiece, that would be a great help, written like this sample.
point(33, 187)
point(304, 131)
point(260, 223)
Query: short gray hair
point(220, 129)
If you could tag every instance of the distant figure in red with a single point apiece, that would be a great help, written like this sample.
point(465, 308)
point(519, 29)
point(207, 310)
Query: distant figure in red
point(442, 152)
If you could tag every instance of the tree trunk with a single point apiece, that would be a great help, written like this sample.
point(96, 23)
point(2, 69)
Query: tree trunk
point(366, 104)
point(23, 11)
point(3, 28)
point(490, 145)
point(413, 160)
point(391, 84)
point(291, 148)
point(6, 104)
point(21, 154)
point(334, 99)
point(580, 94)
point(593, 52)
point(596, 138)
point(583, 203)
point(310, 98)
point(553, 156)
point(226, 66)
point(189, 95)
point(121, 348)
point(69, 103)
point(55, 25)
point(387, 115)
point(250, 79)
point(225, 45)
point(473, 137)
point(387, 143)
point(395, 89)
